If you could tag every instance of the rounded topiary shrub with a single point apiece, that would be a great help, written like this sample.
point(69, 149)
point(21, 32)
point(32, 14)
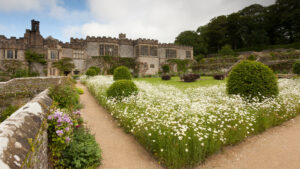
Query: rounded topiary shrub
point(91, 72)
point(97, 69)
point(296, 67)
point(121, 88)
point(121, 73)
point(252, 79)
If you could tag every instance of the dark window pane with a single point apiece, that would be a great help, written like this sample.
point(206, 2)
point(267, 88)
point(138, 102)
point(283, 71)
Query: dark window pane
point(144, 50)
point(153, 51)
point(101, 50)
point(10, 54)
point(171, 53)
point(16, 54)
point(188, 54)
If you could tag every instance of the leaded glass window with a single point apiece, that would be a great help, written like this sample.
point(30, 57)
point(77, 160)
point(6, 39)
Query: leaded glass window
point(101, 50)
point(109, 50)
point(53, 55)
point(171, 53)
point(188, 54)
point(10, 54)
point(153, 51)
point(144, 50)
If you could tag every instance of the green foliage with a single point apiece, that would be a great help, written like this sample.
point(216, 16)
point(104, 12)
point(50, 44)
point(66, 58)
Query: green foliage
point(182, 65)
point(252, 79)
point(60, 129)
point(121, 73)
point(65, 95)
point(296, 67)
point(252, 57)
point(199, 57)
point(111, 62)
point(11, 66)
point(253, 28)
point(64, 65)
point(165, 68)
point(91, 72)
point(25, 73)
point(226, 51)
point(7, 112)
point(31, 57)
point(121, 89)
point(83, 151)
point(97, 69)
point(79, 90)
point(192, 38)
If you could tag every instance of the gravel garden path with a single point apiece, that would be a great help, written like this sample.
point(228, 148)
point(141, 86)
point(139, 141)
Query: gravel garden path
point(277, 148)
point(119, 150)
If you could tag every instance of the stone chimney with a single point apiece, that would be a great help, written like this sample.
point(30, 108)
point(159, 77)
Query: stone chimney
point(122, 36)
point(35, 26)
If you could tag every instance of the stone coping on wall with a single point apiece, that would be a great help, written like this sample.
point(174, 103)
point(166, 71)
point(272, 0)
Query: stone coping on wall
point(28, 86)
point(23, 136)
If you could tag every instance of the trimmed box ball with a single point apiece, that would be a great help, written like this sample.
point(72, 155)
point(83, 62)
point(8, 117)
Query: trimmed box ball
point(252, 79)
point(121, 88)
point(121, 73)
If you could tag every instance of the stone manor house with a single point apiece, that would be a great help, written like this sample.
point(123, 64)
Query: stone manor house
point(149, 52)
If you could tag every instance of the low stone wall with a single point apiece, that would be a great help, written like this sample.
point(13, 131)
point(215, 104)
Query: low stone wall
point(28, 85)
point(23, 136)
point(20, 90)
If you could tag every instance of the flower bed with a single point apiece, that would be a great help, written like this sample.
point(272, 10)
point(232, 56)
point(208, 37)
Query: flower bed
point(71, 144)
point(182, 127)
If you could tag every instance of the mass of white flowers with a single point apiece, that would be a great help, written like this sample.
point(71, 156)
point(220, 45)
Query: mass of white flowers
point(182, 127)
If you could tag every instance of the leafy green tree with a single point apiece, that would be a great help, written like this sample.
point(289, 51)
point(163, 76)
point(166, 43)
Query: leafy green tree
point(215, 33)
point(192, 38)
point(226, 51)
point(64, 65)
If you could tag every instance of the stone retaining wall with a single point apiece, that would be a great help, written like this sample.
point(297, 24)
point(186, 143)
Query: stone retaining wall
point(20, 90)
point(23, 136)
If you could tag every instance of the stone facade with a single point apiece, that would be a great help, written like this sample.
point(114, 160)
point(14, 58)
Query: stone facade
point(148, 52)
point(23, 136)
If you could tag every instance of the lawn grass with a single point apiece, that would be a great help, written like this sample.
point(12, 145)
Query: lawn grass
point(175, 81)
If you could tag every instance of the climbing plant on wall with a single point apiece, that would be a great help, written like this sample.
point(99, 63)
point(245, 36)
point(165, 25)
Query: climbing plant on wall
point(182, 65)
point(31, 57)
point(109, 63)
point(64, 65)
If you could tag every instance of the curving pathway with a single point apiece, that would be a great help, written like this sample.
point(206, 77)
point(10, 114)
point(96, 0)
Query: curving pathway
point(119, 150)
point(277, 148)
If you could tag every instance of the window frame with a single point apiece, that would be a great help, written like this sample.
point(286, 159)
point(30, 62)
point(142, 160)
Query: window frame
point(10, 54)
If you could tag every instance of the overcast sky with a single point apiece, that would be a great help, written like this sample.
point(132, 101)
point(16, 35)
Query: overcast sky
point(155, 19)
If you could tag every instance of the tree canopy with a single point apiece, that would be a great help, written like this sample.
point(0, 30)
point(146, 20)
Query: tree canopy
point(252, 26)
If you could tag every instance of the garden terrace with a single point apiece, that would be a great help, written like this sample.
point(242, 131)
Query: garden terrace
point(278, 61)
point(182, 127)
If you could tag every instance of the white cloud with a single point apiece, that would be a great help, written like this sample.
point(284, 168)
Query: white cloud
point(159, 19)
point(20, 5)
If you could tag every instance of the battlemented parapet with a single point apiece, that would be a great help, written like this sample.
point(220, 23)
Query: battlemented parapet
point(85, 48)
